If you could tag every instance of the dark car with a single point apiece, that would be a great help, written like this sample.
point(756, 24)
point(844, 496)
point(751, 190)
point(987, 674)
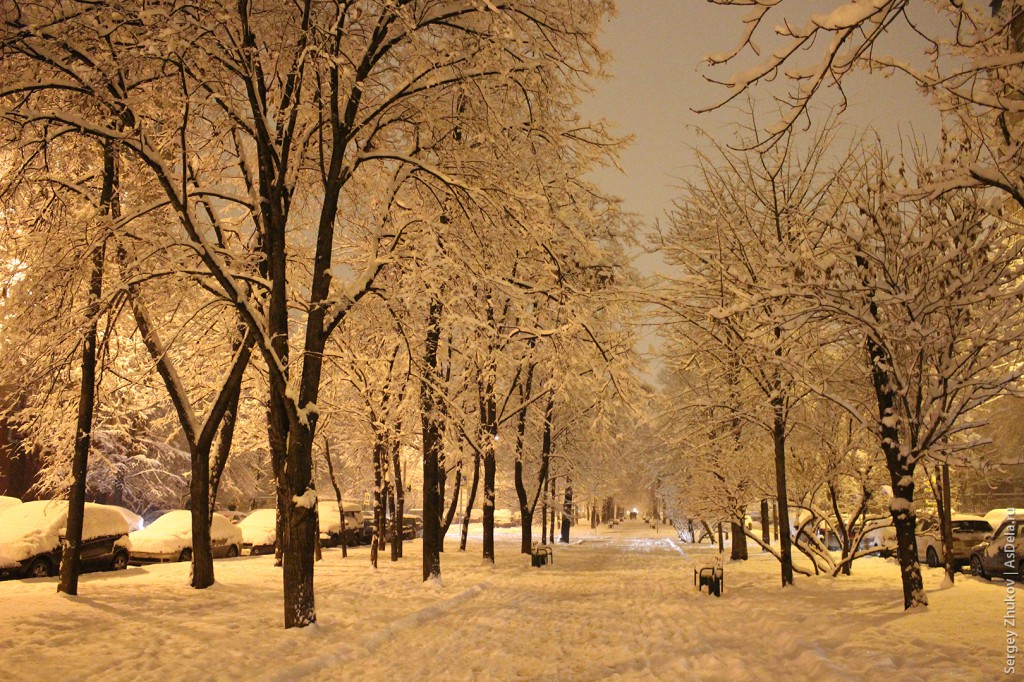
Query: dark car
point(412, 527)
point(31, 539)
point(1000, 555)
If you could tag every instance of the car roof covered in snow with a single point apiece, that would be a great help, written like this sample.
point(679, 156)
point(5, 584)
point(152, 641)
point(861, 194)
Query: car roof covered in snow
point(6, 501)
point(33, 528)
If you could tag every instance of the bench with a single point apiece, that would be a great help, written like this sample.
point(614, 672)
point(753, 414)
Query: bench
point(541, 555)
point(712, 575)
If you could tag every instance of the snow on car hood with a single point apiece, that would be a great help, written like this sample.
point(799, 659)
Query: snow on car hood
point(35, 527)
point(259, 527)
point(172, 533)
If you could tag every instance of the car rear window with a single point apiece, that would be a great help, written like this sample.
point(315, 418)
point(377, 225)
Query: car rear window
point(971, 527)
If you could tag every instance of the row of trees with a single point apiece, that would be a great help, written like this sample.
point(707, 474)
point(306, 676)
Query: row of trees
point(842, 317)
point(262, 217)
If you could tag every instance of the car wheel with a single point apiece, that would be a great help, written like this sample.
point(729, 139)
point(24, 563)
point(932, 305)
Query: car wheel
point(976, 567)
point(186, 554)
point(254, 551)
point(933, 558)
point(119, 562)
point(232, 551)
point(39, 568)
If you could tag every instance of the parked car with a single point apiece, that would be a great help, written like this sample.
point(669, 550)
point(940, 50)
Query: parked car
point(7, 501)
point(32, 537)
point(169, 538)
point(995, 517)
point(259, 531)
point(503, 518)
point(412, 528)
point(135, 521)
point(1000, 555)
point(152, 515)
point(968, 531)
point(331, 533)
point(233, 515)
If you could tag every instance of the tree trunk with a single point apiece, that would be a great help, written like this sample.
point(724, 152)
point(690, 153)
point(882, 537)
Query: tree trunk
point(766, 536)
point(377, 541)
point(452, 506)
point(785, 539)
point(946, 511)
point(399, 495)
point(470, 500)
point(431, 438)
point(739, 542)
point(230, 418)
point(71, 551)
point(566, 513)
point(337, 493)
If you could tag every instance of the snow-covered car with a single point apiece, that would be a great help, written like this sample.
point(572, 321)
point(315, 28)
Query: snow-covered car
point(32, 535)
point(330, 523)
point(7, 502)
point(135, 521)
point(504, 518)
point(968, 531)
point(1001, 553)
point(995, 517)
point(881, 538)
point(259, 531)
point(169, 538)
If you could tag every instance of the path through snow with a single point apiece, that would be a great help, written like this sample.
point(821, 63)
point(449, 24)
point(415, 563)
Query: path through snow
point(620, 604)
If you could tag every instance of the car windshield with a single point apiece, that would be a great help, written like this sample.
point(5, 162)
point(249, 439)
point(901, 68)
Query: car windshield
point(971, 527)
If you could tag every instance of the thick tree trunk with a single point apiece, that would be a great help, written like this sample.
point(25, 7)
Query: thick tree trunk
point(202, 514)
point(739, 542)
point(71, 551)
point(566, 513)
point(766, 536)
point(432, 436)
point(489, 477)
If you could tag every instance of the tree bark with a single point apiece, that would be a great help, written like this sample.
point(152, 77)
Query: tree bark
point(470, 500)
point(71, 551)
point(765, 524)
point(947, 524)
point(901, 467)
point(785, 539)
point(431, 430)
point(739, 542)
point(399, 493)
point(452, 506)
point(566, 513)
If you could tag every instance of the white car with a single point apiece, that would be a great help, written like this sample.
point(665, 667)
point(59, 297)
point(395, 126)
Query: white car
point(330, 523)
point(134, 520)
point(259, 531)
point(6, 502)
point(968, 530)
point(32, 535)
point(169, 538)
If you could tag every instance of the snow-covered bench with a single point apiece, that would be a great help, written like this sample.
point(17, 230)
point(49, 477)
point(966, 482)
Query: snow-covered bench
point(541, 555)
point(712, 575)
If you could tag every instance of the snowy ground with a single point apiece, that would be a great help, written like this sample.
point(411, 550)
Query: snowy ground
point(619, 605)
